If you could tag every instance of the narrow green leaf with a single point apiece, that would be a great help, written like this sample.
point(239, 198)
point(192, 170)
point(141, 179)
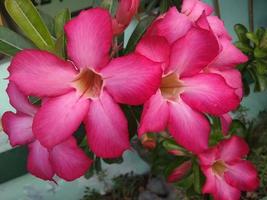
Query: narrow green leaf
point(29, 20)
point(263, 42)
point(196, 172)
point(110, 5)
point(11, 42)
point(60, 20)
point(138, 33)
point(164, 5)
point(243, 47)
point(49, 22)
point(260, 53)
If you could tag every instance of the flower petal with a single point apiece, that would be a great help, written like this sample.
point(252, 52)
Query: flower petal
point(89, 38)
point(233, 149)
point(69, 161)
point(232, 77)
point(155, 115)
point(226, 121)
point(39, 73)
point(207, 157)
point(58, 118)
point(132, 79)
point(230, 56)
point(18, 127)
point(38, 161)
point(155, 48)
point(242, 175)
point(209, 93)
point(19, 101)
point(218, 27)
point(195, 8)
point(188, 127)
point(193, 52)
point(173, 25)
point(218, 187)
point(106, 128)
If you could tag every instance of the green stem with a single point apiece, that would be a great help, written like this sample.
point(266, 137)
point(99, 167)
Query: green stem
point(251, 15)
point(216, 4)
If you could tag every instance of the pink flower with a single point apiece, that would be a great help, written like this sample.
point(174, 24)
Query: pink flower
point(124, 14)
point(226, 171)
point(185, 49)
point(65, 160)
point(179, 172)
point(87, 88)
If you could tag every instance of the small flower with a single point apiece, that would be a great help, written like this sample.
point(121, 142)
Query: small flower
point(226, 170)
point(124, 14)
point(66, 159)
point(87, 88)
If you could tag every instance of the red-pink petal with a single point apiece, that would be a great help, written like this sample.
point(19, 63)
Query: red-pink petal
point(195, 8)
point(173, 25)
point(19, 101)
point(232, 77)
point(38, 161)
point(155, 48)
point(242, 175)
point(207, 157)
point(178, 173)
point(226, 121)
point(230, 56)
point(132, 79)
point(218, 187)
point(18, 127)
point(155, 115)
point(188, 127)
point(89, 38)
point(193, 52)
point(106, 128)
point(69, 161)
point(233, 149)
point(39, 73)
point(58, 118)
point(209, 93)
point(218, 27)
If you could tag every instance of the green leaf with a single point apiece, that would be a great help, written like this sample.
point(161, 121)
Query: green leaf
point(243, 47)
point(49, 22)
point(138, 33)
point(263, 43)
point(29, 20)
point(196, 173)
point(253, 37)
point(260, 53)
point(113, 161)
point(60, 20)
point(241, 31)
point(11, 42)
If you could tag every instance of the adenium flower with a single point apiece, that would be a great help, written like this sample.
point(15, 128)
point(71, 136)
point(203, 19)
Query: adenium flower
point(124, 14)
point(226, 171)
point(185, 49)
point(87, 88)
point(66, 159)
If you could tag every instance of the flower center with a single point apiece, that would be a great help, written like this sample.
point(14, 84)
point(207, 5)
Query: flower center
point(171, 87)
point(88, 84)
point(219, 167)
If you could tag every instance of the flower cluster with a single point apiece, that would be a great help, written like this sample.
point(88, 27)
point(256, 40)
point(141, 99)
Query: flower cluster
point(181, 70)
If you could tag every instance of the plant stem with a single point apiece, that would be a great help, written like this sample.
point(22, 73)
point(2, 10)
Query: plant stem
point(251, 15)
point(216, 4)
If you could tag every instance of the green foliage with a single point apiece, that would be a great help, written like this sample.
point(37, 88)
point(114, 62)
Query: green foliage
point(29, 20)
point(254, 45)
point(11, 42)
